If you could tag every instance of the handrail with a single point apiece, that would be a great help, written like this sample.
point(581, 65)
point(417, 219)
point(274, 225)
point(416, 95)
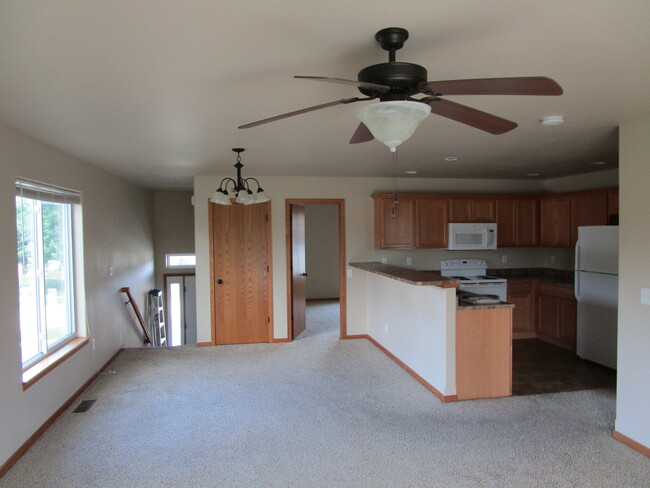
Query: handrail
point(147, 336)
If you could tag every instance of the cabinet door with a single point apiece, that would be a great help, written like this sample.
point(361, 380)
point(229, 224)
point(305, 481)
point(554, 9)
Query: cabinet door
point(587, 209)
point(568, 323)
point(460, 210)
point(562, 222)
point(523, 315)
point(506, 225)
point(526, 223)
point(484, 211)
point(547, 222)
point(548, 316)
point(397, 232)
point(431, 223)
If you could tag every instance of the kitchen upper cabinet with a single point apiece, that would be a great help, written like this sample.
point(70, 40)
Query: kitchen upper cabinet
point(517, 222)
point(587, 209)
point(394, 223)
point(431, 222)
point(554, 222)
point(522, 295)
point(556, 315)
point(472, 210)
point(612, 207)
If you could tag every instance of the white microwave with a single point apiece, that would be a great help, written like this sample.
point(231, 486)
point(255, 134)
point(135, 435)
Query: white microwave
point(472, 237)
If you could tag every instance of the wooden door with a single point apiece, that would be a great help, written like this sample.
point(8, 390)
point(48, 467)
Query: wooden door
point(298, 271)
point(240, 246)
point(431, 222)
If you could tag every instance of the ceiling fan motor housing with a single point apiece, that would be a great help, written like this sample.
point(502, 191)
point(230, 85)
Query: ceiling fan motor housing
point(403, 78)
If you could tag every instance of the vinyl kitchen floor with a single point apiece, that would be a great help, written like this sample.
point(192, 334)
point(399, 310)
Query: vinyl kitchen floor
point(539, 367)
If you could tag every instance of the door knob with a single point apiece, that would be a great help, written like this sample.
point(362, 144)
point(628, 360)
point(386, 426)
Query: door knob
point(304, 274)
point(219, 282)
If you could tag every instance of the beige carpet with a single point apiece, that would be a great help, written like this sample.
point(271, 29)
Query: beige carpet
point(318, 412)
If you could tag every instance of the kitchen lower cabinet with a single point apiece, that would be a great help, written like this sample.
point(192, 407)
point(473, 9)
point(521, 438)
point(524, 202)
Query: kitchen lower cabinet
point(522, 295)
point(556, 315)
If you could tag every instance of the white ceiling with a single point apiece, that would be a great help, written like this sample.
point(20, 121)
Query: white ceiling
point(153, 90)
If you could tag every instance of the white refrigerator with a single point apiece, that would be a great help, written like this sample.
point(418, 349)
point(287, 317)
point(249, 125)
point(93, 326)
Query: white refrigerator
point(596, 290)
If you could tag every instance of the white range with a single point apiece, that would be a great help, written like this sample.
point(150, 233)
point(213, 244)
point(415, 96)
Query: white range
point(471, 272)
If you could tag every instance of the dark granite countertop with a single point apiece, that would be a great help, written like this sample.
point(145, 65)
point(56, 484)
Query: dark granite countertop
point(407, 275)
point(544, 275)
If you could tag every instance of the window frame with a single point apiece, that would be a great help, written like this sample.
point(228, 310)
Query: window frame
point(50, 355)
point(169, 256)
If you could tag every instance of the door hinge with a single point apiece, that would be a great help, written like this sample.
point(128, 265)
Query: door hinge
point(266, 217)
point(268, 320)
point(268, 269)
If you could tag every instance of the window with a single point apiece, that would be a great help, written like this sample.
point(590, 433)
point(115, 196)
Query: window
point(180, 260)
point(45, 218)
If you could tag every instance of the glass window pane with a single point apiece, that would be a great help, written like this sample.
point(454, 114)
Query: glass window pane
point(181, 260)
point(57, 270)
point(27, 279)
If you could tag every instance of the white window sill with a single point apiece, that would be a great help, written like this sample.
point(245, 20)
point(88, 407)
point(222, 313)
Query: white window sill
point(34, 373)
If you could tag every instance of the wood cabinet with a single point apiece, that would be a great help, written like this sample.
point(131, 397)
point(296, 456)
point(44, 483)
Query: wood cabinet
point(517, 222)
point(612, 207)
point(556, 315)
point(483, 353)
point(554, 222)
point(394, 223)
point(522, 295)
point(431, 222)
point(587, 209)
point(472, 210)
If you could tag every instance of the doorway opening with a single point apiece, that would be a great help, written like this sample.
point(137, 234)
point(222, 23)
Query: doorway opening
point(180, 308)
point(315, 260)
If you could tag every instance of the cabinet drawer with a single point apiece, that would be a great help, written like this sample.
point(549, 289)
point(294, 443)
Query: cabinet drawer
point(564, 292)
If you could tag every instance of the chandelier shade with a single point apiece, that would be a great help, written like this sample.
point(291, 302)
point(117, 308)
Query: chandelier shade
point(393, 122)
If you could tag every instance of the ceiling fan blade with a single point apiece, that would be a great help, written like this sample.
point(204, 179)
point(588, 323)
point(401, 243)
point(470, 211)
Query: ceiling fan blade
point(373, 86)
point(532, 85)
point(471, 116)
point(362, 134)
point(298, 112)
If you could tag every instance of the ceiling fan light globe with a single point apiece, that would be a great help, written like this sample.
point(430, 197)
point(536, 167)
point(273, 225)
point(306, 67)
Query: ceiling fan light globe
point(393, 122)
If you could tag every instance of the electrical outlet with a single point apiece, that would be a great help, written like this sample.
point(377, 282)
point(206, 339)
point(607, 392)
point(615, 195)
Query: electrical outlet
point(504, 259)
point(409, 260)
point(645, 296)
point(384, 260)
point(552, 259)
point(92, 343)
point(349, 273)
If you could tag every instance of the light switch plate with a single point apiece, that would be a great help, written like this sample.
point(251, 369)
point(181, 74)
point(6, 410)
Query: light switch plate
point(384, 260)
point(409, 260)
point(645, 296)
point(349, 273)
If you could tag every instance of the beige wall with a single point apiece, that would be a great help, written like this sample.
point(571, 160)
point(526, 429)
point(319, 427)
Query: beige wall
point(322, 250)
point(359, 232)
point(173, 226)
point(633, 382)
point(117, 233)
point(596, 179)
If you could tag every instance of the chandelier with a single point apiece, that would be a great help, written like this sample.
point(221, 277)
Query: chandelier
point(240, 187)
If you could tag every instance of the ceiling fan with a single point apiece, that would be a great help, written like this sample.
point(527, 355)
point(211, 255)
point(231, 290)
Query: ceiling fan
point(399, 81)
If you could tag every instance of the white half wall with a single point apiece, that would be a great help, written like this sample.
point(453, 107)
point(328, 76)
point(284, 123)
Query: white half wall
point(117, 235)
point(633, 380)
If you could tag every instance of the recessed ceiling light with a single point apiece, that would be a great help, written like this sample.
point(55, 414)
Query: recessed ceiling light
point(411, 172)
point(534, 174)
point(552, 120)
point(450, 158)
point(598, 163)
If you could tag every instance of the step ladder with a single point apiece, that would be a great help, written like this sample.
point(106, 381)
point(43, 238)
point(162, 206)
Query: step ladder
point(157, 318)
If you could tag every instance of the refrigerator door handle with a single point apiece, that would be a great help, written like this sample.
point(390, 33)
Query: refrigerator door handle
point(576, 285)
point(577, 256)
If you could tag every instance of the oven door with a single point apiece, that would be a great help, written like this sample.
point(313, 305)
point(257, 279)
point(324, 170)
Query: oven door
point(487, 288)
